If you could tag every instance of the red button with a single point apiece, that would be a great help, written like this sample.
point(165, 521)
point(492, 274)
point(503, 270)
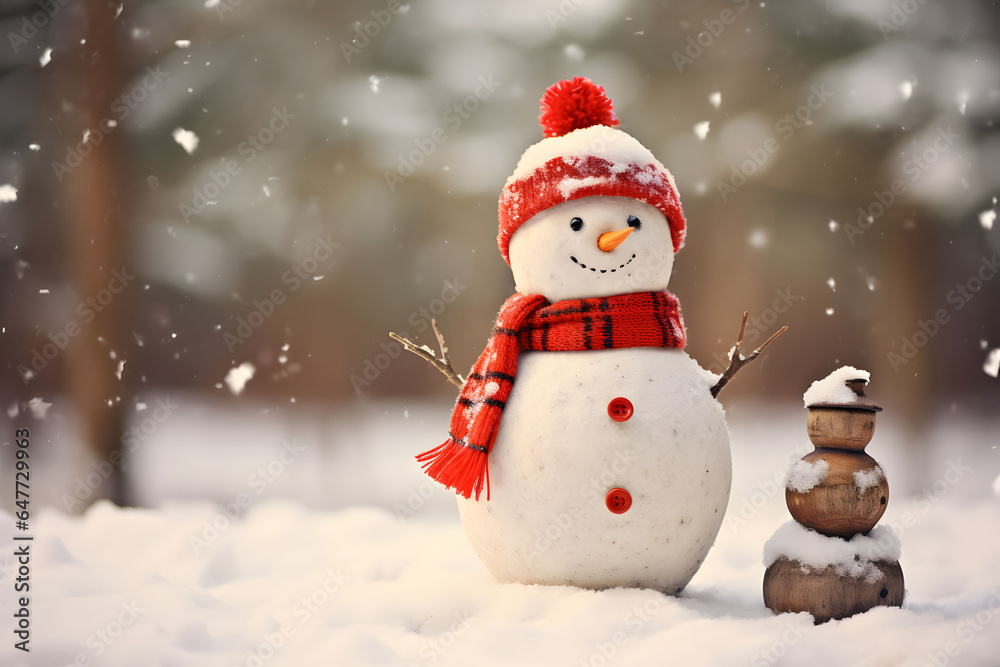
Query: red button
point(618, 500)
point(620, 409)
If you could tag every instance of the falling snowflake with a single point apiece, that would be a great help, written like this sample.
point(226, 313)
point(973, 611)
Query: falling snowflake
point(715, 99)
point(39, 408)
point(992, 363)
point(187, 139)
point(237, 378)
point(574, 53)
point(8, 193)
point(701, 129)
point(962, 99)
point(987, 218)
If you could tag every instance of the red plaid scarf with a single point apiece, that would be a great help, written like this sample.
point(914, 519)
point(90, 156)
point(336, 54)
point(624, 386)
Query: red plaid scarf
point(529, 322)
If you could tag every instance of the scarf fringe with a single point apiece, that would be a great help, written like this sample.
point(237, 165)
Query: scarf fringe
point(458, 467)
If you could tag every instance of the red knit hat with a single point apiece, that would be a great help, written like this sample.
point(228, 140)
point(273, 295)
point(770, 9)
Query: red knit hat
point(583, 155)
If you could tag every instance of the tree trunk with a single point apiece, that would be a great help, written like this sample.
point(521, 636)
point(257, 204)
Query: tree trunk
point(95, 244)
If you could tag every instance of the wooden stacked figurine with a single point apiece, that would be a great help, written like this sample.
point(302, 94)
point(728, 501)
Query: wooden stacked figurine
point(832, 560)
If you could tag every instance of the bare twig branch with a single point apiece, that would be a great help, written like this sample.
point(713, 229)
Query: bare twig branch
point(442, 363)
point(738, 361)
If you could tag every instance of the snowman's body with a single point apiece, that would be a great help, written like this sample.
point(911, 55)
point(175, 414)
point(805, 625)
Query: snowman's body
point(558, 453)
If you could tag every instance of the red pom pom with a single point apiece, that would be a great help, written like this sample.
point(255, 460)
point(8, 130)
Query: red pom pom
point(573, 105)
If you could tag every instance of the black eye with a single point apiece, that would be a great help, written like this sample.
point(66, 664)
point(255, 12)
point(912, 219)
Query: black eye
point(576, 224)
point(634, 222)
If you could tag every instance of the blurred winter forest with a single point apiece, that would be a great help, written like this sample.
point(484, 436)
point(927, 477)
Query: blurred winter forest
point(189, 187)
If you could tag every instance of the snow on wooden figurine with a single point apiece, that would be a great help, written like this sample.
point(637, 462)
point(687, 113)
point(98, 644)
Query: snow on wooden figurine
point(611, 463)
point(833, 561)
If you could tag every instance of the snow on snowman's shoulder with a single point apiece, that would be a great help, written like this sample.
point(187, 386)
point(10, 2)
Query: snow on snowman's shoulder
point(833, 388)
point(849, 558)
point(697, 375)
point(803, 475)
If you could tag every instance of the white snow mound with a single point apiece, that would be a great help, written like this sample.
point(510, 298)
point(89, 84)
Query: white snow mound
point(833, 388)
point(850, 558)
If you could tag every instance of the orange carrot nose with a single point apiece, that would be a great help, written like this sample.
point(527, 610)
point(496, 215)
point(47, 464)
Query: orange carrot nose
point(611, 240)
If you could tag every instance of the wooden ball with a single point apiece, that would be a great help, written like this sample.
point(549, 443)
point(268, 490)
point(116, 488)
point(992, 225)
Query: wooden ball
point(827, 595)
point(834, 506)
point(840, 428)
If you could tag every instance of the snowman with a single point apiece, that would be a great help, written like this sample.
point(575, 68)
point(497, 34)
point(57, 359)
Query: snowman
point(586, 447)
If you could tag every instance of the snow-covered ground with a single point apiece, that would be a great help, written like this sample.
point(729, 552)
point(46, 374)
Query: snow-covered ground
point(379, 571)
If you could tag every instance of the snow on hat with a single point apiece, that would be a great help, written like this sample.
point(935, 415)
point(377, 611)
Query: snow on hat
point(581, 156)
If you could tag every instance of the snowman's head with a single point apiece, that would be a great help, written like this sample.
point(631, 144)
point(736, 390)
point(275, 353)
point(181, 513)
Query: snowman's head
point(588, 211)
point(591, 247)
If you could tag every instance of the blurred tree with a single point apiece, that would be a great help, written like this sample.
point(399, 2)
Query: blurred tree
point(95, 210)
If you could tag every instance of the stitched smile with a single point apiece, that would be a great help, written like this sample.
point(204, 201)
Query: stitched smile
point(584, 266)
